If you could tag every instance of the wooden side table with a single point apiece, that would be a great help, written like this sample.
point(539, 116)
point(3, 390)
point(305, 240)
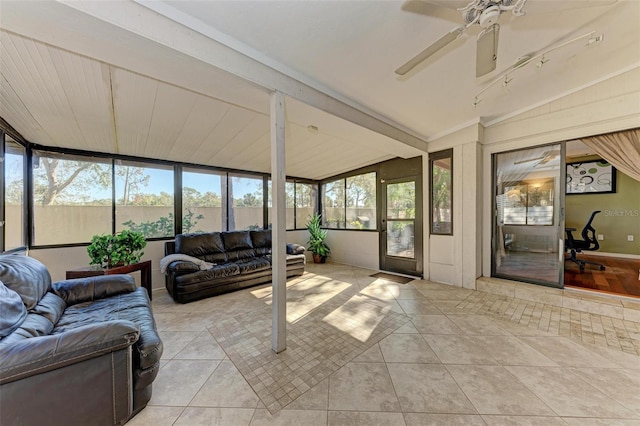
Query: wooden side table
point(93, 271)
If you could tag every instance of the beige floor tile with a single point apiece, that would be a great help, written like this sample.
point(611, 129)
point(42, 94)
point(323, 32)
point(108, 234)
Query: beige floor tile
point(493, 390)
point(156, 416)
point(581, 421)
point(179, 380)
point(226, 388)
point(621, 359)
point(618, 384)
point(510, 350)
point(175, 341)
point(446, 294)
point(206, 416)
point(405, 292)
point(360, 418)
point(290, 418)
point(453, 349)
point(204, 346)
point(476, 325)
point(362, 387)
point(567, 394)
point(428, 388)
point(373, 354)
point(407, 348)
point(567, 353)
point(523, 421)
point(338, 311)
point(422, 419)
point(418, 306)
point(434, 324)
point(316, 398)
point(408, 328)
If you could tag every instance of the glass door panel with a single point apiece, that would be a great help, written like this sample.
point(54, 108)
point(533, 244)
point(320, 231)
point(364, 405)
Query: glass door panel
point(528, 240)
point(399, 227)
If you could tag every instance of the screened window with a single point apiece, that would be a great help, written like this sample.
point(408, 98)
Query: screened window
point(144, 198)
point(441, 185)
point(333, 203)
point(361, 201)
point(350, 203)
point(306, 196)
point(246, 202)
point(14, 190)
point(202, 193)
point(71, 198)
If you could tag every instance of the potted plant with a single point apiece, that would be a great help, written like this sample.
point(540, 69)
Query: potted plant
point(123, 248)
point(317, 236)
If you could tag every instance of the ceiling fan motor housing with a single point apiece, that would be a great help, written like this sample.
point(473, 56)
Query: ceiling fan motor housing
point(489, 16)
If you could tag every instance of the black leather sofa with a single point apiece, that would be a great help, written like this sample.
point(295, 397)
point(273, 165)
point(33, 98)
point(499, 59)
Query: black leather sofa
point(237, 259)
point(76, 352)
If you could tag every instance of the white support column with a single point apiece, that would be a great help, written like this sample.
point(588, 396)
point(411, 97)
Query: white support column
point(278, 230)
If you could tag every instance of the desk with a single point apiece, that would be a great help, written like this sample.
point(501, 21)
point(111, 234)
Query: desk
point(93, 271)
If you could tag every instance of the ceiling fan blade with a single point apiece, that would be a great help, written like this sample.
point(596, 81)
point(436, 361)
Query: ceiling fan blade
point(487, 50)
point(439, 44)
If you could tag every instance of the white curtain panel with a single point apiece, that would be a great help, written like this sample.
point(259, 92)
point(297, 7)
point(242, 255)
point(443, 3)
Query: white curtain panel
point(621, 149)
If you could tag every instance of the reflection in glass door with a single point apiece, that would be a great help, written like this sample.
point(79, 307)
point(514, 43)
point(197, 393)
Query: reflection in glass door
point(401, 231)
point(528, 240)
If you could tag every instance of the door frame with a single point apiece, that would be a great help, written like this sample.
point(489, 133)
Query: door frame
point(561, 217)
point(413, 267)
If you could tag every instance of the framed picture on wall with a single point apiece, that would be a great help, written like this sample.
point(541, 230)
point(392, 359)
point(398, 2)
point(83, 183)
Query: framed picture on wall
point(591, 177)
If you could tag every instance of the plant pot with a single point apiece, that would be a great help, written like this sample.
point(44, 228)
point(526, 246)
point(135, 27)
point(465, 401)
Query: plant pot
point(319, 259)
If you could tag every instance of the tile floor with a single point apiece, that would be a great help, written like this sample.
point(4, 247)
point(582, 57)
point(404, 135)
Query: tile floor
point(365, 351)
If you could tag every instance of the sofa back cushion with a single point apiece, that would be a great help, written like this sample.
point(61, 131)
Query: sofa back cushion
point(207, 246)
point(26, 276)
point(12, 309)
point(261, 242)
point(238, 245)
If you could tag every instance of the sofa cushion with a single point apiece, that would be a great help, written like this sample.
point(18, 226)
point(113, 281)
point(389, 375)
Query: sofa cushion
point(238, 245)
point(218, 271)
point(133, 307)
point(26, 276)
point(255, 264)
point(207, 246)
point(261, 242)
point(12, 309)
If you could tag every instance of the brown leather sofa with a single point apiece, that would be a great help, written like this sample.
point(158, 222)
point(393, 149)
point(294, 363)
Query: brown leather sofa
point(76, 352)
point(236, 260)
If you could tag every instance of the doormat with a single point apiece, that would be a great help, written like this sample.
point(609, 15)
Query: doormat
point(394, 278)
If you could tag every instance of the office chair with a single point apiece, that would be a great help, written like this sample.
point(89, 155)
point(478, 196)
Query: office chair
point(589, 243)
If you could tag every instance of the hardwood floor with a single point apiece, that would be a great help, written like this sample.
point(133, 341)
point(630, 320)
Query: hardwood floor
point(621, 276)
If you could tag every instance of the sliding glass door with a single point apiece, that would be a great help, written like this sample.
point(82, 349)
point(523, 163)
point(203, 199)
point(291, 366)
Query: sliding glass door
point(528, 235)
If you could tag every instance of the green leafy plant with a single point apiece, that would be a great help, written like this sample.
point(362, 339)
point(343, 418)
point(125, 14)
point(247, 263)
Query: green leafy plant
point(317, 235)
point(123, 248)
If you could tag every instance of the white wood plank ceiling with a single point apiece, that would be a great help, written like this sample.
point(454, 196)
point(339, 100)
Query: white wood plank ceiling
point(62, 99)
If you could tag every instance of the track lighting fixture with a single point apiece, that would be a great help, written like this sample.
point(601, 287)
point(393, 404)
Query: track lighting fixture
point(541, 57)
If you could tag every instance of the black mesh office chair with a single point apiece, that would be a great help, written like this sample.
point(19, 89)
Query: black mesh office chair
point(589, 242)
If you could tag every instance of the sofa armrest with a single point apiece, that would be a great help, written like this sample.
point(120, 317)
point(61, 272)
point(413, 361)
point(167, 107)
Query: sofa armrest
point(92, 288)
point(38, 355)
point(293, 248)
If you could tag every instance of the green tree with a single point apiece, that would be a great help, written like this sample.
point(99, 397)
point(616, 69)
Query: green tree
point(61, 181)
point(133, 179)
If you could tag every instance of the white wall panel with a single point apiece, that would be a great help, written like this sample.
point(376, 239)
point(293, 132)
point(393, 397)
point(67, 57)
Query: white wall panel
point(355, 248)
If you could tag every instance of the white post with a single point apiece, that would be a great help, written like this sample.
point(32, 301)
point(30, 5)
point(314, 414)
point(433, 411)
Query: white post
point(278, 229)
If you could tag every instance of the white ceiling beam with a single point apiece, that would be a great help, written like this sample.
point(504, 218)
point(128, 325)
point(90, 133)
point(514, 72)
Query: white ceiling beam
point(165, 25)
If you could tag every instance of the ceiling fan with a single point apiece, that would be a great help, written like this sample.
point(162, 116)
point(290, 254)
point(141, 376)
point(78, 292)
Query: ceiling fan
point(478, 12)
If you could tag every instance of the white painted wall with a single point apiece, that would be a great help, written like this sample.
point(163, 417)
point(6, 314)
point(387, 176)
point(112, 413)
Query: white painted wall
point(357, 248)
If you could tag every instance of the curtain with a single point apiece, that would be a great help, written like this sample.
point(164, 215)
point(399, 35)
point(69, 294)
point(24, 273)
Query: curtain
point(621, 149)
